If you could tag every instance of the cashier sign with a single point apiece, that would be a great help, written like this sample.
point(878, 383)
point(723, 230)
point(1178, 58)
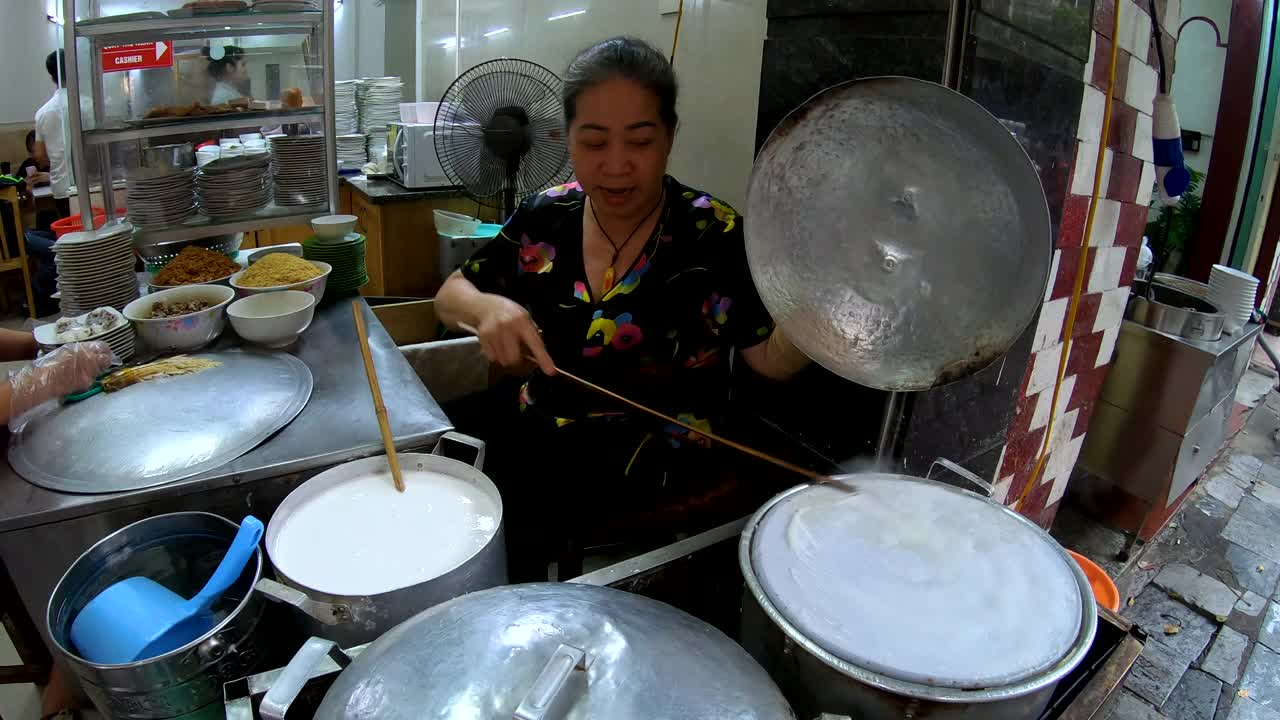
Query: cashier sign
point(138, 56)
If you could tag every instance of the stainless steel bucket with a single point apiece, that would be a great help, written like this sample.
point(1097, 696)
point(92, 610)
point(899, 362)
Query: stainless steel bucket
point(179, 551)
point(816, 681)
point(353, 620)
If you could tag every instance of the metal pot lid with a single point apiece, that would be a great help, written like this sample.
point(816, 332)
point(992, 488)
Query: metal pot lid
point(159, 431)
point(918, 581)
point(448, 512)
point(480, 655)
point(897, 233)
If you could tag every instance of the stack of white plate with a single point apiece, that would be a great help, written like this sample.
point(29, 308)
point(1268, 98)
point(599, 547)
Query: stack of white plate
point(351, 152)
point(230, 187)
point(1234, 294)
point(157, 199)
point(298, 165)
point(379, 104)
point(95, 269)
point(347, 117)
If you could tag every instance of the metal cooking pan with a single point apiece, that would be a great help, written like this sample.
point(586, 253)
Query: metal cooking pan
point(898, 233)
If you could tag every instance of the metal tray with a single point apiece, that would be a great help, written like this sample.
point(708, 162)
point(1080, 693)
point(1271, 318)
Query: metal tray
point(163, 430)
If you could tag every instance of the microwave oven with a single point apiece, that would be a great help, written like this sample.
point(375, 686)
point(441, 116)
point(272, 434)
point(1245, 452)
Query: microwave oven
point(411, 156)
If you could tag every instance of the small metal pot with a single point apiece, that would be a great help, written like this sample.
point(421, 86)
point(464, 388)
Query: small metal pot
point(816, 681)
point(180, 551)
point(352, 620)
point(1173, 311)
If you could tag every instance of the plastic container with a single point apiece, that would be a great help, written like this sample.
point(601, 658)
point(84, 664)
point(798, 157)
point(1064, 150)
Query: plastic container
point(1104, 590)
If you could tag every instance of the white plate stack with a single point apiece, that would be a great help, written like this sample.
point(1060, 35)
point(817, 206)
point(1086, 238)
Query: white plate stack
point(1234, 294)
point(156, 199)
point(379, 104)
point(351, 151)
point(230, 187)
point(286, 6)
point(347, 116)
point(298, 165)
point(119, 336)
point(95, 269)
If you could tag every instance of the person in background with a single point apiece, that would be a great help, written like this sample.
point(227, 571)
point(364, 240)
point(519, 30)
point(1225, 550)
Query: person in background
point(38, 176)
point(69, 369)
point(50, 148)
point(230, 72)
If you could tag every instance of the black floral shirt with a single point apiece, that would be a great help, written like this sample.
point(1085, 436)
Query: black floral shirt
point(661, 335)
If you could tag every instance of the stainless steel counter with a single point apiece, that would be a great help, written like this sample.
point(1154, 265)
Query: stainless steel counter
point(42, 532)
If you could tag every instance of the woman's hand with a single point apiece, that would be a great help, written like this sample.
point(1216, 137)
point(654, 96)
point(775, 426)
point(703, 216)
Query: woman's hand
point(69, 369)
point(508, 334)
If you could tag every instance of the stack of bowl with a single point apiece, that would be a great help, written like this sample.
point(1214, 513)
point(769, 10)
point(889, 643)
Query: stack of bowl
point(1234, 294)
point(335, 243)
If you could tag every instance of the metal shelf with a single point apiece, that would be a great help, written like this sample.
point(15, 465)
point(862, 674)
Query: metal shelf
point(200, 26)
point(200, 125)
point(200, 226)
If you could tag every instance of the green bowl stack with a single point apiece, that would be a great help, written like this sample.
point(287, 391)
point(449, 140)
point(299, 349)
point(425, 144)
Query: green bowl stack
point(347, 258)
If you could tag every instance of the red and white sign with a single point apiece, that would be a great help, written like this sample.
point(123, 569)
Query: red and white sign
point(138, 56)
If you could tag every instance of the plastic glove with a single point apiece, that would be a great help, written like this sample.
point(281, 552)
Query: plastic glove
point(69, 369)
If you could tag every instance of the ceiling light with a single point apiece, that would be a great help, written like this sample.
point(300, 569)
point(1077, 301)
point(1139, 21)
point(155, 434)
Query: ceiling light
point(569, 14)
point(499, 31)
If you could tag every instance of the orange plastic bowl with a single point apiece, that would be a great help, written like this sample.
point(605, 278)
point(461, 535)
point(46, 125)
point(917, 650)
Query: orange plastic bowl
point(1104, 590)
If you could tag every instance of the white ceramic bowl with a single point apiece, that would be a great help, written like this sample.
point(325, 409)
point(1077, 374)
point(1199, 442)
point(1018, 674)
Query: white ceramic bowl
point(272, 319)
point(333, 228)
point(452, 223)
point(315, 285)
point(184, 332)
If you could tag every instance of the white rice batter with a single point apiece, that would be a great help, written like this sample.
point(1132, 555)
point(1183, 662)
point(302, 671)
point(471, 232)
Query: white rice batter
point(919, 583)
point(363, 537)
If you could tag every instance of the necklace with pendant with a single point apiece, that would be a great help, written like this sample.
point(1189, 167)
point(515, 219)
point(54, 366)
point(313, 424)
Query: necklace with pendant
point(611, 274)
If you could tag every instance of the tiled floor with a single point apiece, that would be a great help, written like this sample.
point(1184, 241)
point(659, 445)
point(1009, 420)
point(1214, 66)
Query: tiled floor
point(1205, 591)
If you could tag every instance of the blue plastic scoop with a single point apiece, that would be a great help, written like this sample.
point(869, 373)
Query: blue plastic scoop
point(138, 618)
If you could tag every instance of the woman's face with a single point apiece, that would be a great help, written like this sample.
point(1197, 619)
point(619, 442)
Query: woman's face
point(619, 147)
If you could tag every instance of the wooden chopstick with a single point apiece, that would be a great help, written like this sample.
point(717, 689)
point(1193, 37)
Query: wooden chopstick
point(812, 475)
point(388, 443)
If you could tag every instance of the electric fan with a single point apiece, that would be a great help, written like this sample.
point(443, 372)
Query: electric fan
point(499, 132)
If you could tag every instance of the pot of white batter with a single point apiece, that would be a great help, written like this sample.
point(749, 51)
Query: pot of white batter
point(356, 557)
point(908, 598)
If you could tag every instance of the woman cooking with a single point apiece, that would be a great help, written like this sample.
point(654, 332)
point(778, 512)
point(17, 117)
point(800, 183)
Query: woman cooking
point(629, 279)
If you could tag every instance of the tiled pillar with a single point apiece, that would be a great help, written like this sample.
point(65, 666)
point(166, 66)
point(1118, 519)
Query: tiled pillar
point(1127, 184)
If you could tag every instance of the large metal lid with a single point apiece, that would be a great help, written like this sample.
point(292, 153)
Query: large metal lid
point(481, 655)
point(897, 233)
point(919, 582)
point(163, 430)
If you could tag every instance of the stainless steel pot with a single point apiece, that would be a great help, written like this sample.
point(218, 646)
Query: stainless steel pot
point(354, 619)
point(180, 551)
point(817, 681)
point(1173, 311)
point(541, 651)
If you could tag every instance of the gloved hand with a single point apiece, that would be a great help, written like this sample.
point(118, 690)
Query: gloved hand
point(69, 369)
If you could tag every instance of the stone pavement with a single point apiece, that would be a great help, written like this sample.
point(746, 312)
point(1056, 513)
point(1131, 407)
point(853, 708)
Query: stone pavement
point(1205, 591)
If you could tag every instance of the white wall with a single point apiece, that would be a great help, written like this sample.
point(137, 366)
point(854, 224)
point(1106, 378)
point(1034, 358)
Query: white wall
point(27, 37)
point(1197, 83)
point(370, 38)
point(718, 63)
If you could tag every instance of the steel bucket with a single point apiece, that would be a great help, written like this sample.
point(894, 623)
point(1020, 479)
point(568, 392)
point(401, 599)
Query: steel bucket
point(816, 681)
point(353, 620)
point(180, 551)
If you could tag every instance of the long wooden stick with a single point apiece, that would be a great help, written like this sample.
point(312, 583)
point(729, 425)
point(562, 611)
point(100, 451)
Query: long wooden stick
point(388, 442)
point(813, 476)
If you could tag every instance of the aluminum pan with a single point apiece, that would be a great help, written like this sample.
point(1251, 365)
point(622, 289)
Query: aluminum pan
point(163, 430)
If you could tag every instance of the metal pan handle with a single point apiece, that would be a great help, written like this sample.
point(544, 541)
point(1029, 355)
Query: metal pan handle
point(983, 486)
point(474, 443)
point(300, 669)
point(547, 698)
point(327, 613)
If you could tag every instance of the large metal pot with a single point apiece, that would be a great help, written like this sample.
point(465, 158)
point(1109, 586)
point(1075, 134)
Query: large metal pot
point(350, 619)
point(817, 680)
point(542, 651)
point(179, 551)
